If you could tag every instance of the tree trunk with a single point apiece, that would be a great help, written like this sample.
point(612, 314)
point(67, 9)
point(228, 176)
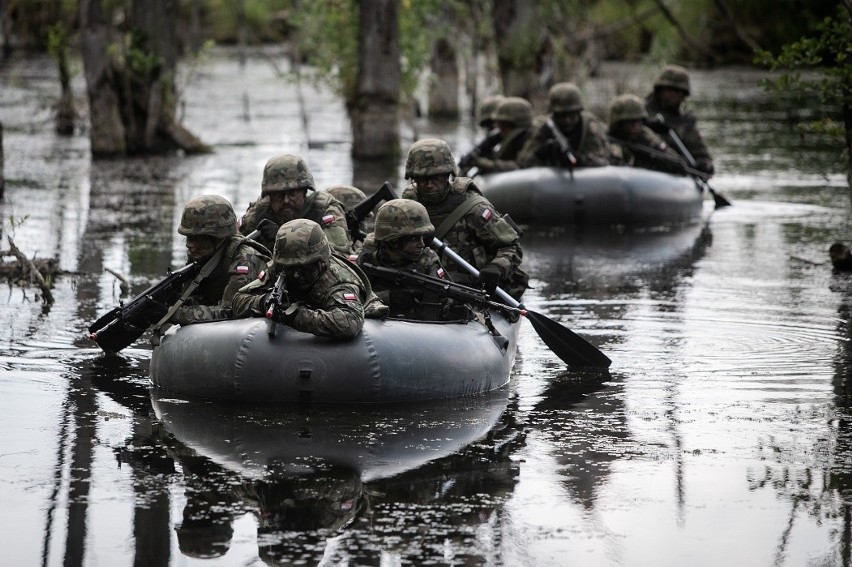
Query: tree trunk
point(2, 175)
point(444, 87)
point(375, 110)
point(132, 98)
point(521, 62)
point(847, 123)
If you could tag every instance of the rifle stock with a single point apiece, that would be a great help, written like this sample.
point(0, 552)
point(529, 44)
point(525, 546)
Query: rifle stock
point(359, 212)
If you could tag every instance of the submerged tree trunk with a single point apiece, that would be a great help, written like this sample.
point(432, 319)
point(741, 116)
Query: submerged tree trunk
point(444, 87)
point(375, 110)
point(130, 80)
point(521, 49)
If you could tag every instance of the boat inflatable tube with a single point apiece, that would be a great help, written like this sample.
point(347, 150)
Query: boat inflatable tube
point(391, 360)
point(610, 195)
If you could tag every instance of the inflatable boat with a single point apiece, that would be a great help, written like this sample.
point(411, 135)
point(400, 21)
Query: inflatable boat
point(391, 360)
point(611, 195)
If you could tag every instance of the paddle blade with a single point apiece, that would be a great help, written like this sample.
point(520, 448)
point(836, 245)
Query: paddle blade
point(720, 200)
point(566, 344)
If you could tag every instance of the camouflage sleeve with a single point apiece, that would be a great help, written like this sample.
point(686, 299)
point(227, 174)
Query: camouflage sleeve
point(243, 268)
point(335, 228)
point(595, 151)
point(256, 212)
point(533, 152)
point(689, 134)
point(341, 316)
point(501, 242)
point(409, 192)
point(248, 300)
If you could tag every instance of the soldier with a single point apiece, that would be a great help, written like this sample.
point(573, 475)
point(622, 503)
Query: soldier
point(634, 143)
point(670, 90)
point(284, 197)
point(584, 133)
point(349, 196)
point(327, 295)
point(513, 118)
point(466, 221)
point(398, 243)
point(210, 227)
point(486, 148)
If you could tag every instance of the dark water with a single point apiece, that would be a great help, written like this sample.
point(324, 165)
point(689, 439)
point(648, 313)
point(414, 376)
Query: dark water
point(718, 438)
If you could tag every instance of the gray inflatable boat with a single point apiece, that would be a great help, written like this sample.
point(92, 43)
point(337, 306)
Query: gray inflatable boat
point(391, 361)
point(610, 195)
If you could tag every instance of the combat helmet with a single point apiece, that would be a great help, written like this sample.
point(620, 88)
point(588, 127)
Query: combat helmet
point(430, 157)
point(486, 109)
point(564, 97)
point(402, 217)
point(349, 195)
point(627, 107)
point(300, 242)
point(675, 77)
point(516, 110)
point(209, 215)
point(286, 172)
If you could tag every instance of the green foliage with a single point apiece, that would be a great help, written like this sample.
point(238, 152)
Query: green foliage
point(263, 19)
point(818, 68)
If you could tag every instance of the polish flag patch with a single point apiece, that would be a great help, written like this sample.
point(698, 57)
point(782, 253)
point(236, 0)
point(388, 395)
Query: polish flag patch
point(350, 296)
point(486, 215)
point(441, 273)
point(242, 270)
point(353, 257)
point(262, 275)
point(328, 219)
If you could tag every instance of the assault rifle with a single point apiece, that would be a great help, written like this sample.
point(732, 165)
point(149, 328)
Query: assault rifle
point(564, 144)
point(277, 302)
point(126, 323)
point(359, 212)
point(121, 326)
point(484, 147)
point(410, 279)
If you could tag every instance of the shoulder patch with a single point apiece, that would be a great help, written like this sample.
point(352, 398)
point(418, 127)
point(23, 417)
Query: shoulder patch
point(349, 296)
point(328, 219)
point(441, 273)
point(486, 215)
point(242, 270)
point(262, 276)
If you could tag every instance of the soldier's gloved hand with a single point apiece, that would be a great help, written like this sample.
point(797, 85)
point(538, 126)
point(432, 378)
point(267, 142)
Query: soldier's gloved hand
point(657, 125)
point(268, 230)
point(489, 278)
point(287, 316)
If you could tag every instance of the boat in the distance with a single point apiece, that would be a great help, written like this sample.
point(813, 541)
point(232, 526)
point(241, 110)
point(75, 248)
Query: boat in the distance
point(610, 195)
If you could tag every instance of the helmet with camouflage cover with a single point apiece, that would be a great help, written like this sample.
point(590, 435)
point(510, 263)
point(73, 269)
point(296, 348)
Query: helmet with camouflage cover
point(286, 172)
point(487, 107)
point(564, 97)
point(674, 77)
point(347, 194)
point(402, 217)
point(300, 242)
point(626, 107)
point(515, 110)
point(209, 215)
point(430, 157)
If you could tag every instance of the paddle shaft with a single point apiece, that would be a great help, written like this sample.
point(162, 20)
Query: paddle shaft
point(565, 343)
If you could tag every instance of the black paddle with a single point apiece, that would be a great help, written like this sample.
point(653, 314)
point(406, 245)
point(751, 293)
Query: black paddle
point(682, 149)
point(565, 343)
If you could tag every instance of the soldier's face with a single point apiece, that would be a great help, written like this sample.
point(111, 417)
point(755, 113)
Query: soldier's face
point(632, 128)
point(566, 121)
point(303, 277)
point(287, 204)
point(200, 247)
point(407, 248)
point(432, 188)
point(671, 99)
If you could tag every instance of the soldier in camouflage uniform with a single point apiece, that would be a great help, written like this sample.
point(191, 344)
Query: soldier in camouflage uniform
point(513, 118)
point(328, 295)
point(670, 90)
point(487, 147)
point(349, 196)
point(585, 133)
point(284, 196)
point(466, 221)
point(634, 143)
point(210, 227)
point(398, 243)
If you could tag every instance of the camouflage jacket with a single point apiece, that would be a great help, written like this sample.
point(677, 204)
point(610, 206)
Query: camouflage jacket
point(320, 207)
point(428, 263)
point(588, 144)
point(660, 156)
point(685, 125)
point(482, 236)
point(506, 155)
point(333, 307)
point(241, 263)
